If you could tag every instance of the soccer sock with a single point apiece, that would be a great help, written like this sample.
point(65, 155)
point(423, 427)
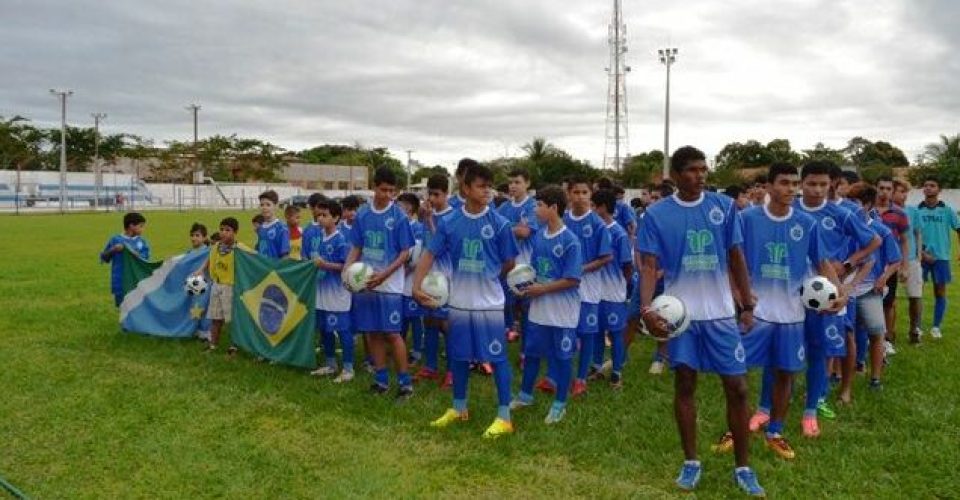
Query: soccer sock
point(508, 315)
point(774, 428)
point(586, 354)
point(766, 391)
point(502, 376)
point(531, 368)
point(382, 377)
point(431, 347)
point(417, 335)
point(863, 345)
point(330, 347)
point(939, 309)
point(461, 376)
point(563, 369)
point(816, 378)
point(618, 350)
point(598, 349)
point(346, 341)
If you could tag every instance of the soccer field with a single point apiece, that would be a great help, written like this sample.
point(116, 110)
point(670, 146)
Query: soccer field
point(88, 411)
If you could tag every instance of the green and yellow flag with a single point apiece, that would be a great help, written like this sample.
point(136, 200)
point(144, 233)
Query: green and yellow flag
point(273, 308)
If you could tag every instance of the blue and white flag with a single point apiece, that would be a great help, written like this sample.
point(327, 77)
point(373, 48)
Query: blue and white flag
point(158, 304)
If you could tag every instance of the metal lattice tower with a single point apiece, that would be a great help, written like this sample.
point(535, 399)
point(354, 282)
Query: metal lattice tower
point(617, 144)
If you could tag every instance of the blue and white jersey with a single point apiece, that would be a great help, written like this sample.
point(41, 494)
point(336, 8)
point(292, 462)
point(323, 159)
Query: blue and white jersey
point(382, 235)
point(613, 285)
point(594, 243)
point(624, 214)
point(692, 241)
point(345, 228)
point(273, 239)
point(912, 218)
point(332, 296)
point(840, 229)
point(888, 253)
point(416, 227)
point(522, 212)
point(135, 243)
point(478, 245)
point(556, 256)
point(441, 263)
point(781, 252)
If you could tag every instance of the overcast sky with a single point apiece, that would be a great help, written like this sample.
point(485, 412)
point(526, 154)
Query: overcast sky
point(453, 78)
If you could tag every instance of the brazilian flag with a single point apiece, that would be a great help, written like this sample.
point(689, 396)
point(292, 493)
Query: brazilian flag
point(273, 308)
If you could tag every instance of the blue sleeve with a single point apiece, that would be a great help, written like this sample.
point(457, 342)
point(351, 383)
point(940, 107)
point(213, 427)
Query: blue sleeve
point(572, 261)
point(605, 245)
point(284, 235)
point(648, 238)
point(624, 250)
point(404, 235)
point(817, 252)
point(734, 228)
point(507, 243)
point(356, 233)
point(626, 217)
point(110, 243)
point(857, 229)
point(438, 241)
point(530, 215)
point(891, 249)
point(306, 240)
point(145, 251)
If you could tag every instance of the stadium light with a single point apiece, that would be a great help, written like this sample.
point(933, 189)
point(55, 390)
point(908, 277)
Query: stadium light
point(62, 95)
point(668, 56)
point(97, 173)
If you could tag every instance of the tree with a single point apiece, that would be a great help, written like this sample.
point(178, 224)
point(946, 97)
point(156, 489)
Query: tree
point(426, 172)
point(539, 149)
point(945, 152)
point(639, 169)
point(20, 143)
point(779, 151)
point(750, 154)
point(863, 153)
point(820, 152)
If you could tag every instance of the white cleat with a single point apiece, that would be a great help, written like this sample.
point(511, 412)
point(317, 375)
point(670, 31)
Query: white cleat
point(935, 333)
point(888, 347)
point(656, 368)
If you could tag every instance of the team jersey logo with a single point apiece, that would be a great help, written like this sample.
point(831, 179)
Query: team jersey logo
point(801, 354)
point(833, 335)
point(697, 259)
point(796, 233)
point(591, 319)
point(829, 223)
point(587, 231)
point(558, 250)
point(412, 306)
point(389, 223)
point(331, 320)
point(716, 216)
point(566, 344)
point(740, 354)
point(495, 347)
point(395, 318)
point(613, 319)
point(471, 259)
point(486, 231)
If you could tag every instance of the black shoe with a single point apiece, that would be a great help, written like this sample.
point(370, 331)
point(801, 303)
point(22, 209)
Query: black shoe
point(378, 389)
point(875, 384)
point(616, 380)
point(404, 393)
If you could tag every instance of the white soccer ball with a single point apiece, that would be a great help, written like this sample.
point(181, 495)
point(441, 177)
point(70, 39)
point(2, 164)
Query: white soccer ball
point(356, 276)
point(435, 285)
point(520, 277)
point(674, 312)
point(817, 293)
point(195, 285)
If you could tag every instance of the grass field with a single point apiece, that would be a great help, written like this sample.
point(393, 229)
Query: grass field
point(87, 411)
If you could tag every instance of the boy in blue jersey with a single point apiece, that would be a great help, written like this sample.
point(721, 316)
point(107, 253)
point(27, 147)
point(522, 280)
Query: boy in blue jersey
point(435, 320)
point(623, 214)
point(911, 272)
point(695, 237)
point(327, 247)
point(782, 246)
point(554, 304)
point(936, 221)
point(871, 320)
point(131, 238)
point(273, 237)
point(596, 252)
point(348, 206)
point(481, 246)
point(381, 238)
point(457, 200)
point(520, 211)
point(614, 276)
point(412, 312)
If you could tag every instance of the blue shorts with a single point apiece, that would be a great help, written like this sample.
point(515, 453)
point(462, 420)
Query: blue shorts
point(850, 322)
point(827, 333)
point(712, 346)
point(375, 312)
point(939, 272)
point(613, 316)
point(589, 320)
point(412, 308)
point(329, 322)
point(550, 341)
point(776, 345)
point(477, 336)
point(870, 314)
point(633, 301)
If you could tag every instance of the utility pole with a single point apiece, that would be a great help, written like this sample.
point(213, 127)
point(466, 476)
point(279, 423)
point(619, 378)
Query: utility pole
point(62, 95)
point(97, 173)
point(195, 108)
point(668, 56)
point(617, 130)
point(409, 163)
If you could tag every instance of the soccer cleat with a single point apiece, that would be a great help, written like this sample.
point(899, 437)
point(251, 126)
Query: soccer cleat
point(426, 374)
point(345, 376)
point(834, 378)
point(485, 369)
point(594, 373)
point(554, 416)
point(889, 350)
point(861, 368)
point(810, 426)
point(414, 358)
point(518, 403)
point(546, 386)
point(875, 384)
point(689, 476)
point(746, 479)
point(758, 421)
point(378, 389)
point(781, 447)
point(724, 445)
point(368, 366)
point(498, 428)
point(209, 347)
point(616, 381)
point(404, 393)
point(607, 366)
point(512, 336)
point(324, 371)
point(579, 388)
point(936, 333)
point(447, 381)
point(824, 410)
point(231, 351)
point(449, 417)
point(656, 368)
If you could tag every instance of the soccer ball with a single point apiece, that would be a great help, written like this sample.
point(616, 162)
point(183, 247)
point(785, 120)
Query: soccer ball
point(415, 252)
point(435, 285)
point(817, 293)
point(356, 275)
point(520, 277)
point(195, 285)
point(674, 311)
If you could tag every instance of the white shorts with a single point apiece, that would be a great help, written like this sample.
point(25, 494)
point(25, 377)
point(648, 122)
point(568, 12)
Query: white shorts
point(221, 302)
point(915, 279)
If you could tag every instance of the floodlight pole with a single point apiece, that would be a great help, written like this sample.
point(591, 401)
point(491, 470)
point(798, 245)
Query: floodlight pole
point(195, 108)
point(62, 95)
point(668, 56)
point(97, 174)
point(409, 163)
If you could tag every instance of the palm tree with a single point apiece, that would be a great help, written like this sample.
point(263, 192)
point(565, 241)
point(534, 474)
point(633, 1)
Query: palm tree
point(947, 150)
point(538, 149)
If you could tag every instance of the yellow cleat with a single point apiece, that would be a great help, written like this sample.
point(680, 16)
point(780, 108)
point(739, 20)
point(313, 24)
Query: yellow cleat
point(724, 445)
point(450, 417)
point(499, 427)
point(781, 447)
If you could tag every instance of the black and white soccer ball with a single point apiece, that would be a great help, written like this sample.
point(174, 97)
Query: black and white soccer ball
point(817, 293)
point(674, 311)
point(195, 285)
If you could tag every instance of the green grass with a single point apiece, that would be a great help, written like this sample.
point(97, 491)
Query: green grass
point(87, 411)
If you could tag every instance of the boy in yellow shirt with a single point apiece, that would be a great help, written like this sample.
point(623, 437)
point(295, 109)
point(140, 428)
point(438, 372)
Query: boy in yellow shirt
point(221, 268)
